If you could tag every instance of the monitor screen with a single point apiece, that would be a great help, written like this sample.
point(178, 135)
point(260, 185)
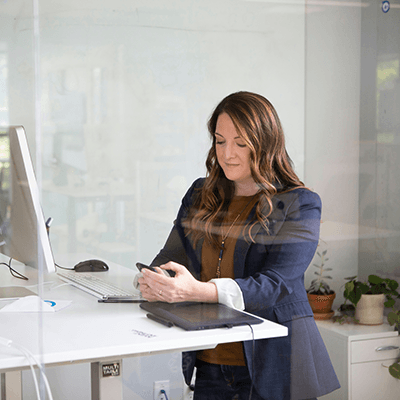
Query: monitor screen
point(23, 229)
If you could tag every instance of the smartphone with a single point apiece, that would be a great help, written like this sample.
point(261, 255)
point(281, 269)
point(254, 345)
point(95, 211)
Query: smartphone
point(140, 266)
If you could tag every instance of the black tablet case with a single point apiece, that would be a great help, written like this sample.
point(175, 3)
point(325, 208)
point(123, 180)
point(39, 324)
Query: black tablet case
point(193, 316)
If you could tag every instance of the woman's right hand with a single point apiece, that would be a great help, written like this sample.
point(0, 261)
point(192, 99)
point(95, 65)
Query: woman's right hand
point(156, 286)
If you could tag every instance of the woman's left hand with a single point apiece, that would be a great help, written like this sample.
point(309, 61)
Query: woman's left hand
point(156, 286)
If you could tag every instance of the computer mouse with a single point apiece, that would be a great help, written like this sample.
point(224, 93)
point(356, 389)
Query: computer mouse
point(91, 266)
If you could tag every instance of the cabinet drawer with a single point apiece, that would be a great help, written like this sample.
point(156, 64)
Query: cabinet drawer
point(373, 381)
point(374, 350)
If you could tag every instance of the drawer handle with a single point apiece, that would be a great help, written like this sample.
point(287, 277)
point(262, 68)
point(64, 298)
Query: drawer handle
point(385, 348)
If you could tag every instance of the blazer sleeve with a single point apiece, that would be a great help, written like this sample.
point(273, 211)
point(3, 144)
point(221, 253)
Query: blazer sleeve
point(173, 250)
point(177, 247)
point(276, 263)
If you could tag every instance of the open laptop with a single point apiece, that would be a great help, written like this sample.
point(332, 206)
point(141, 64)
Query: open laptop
point(193, 316)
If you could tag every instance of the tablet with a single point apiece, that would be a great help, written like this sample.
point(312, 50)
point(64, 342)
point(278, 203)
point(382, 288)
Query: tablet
point(193, 316)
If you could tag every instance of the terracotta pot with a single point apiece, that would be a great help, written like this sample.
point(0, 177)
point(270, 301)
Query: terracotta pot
point(321, 303)
point(369, 310)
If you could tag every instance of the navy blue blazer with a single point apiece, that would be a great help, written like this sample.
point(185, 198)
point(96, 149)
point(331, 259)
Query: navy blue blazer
point(270, 273)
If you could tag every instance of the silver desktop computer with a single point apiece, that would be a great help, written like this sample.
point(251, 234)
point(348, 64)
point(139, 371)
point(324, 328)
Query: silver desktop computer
point(23, 233)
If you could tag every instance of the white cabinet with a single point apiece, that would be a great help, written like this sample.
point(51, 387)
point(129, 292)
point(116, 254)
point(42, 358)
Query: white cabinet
point(361, 356)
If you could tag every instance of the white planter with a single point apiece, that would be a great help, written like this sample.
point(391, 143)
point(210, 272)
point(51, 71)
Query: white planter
point(369, 310)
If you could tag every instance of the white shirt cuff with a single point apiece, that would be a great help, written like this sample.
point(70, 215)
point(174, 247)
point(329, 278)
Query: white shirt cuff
point(229, 293)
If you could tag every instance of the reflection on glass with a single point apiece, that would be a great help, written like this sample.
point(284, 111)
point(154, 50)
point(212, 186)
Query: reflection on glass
point(3, 87)
point(4, 177)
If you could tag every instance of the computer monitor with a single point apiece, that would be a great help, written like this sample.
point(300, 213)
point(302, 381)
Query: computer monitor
point(23, 229)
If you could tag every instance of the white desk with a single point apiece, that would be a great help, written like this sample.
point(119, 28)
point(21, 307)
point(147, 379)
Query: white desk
point(88, 331)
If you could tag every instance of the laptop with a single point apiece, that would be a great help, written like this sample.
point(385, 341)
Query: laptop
point(193, 316)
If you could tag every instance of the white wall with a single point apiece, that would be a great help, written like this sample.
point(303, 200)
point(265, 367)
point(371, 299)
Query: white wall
point(333, 37)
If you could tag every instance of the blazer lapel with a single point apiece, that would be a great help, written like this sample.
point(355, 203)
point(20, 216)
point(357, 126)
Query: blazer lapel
point(244, 241)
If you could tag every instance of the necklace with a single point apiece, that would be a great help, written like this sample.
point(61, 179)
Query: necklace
point(221, 252)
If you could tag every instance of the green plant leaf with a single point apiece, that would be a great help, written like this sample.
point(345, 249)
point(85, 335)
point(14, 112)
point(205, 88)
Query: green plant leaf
point(353, 291)
point(389, 303)
point(363, 287)
point(394, 370)
point(376, 280)
point(349, 286)
point(393, 285)
point(394, 318)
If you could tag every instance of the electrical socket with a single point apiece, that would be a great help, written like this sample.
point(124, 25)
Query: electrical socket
point(157, 387)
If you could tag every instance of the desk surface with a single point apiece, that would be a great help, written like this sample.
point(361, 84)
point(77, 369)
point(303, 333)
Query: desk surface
point(89, 331)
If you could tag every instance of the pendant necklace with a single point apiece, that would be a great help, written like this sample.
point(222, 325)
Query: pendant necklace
point(218, 274)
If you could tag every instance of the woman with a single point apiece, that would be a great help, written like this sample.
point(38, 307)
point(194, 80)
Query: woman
point(244, 236)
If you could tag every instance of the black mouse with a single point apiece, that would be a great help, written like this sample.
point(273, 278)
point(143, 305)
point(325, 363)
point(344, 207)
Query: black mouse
point(91, 266)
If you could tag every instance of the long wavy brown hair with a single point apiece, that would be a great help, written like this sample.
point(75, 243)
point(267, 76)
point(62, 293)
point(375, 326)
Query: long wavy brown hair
point(257, 122)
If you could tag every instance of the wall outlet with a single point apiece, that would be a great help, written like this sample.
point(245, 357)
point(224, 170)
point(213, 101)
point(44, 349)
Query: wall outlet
point(158, 387)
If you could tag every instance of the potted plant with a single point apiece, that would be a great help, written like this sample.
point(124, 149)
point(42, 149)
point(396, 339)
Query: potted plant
point(356, 290)
point(320, 295)
point(369, 298)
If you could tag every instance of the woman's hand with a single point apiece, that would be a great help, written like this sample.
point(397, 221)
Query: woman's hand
point(156, 286)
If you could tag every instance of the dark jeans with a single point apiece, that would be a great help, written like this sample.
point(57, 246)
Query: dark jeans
point(222, 382)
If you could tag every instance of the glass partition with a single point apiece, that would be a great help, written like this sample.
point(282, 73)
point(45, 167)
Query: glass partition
point(126, 92)
point(115, 96)
point(379, 129)
point(17, 107)
point(352, 98)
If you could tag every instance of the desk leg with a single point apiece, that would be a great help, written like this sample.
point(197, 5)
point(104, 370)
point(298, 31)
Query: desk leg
point(106, 380)
point(11, 386)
